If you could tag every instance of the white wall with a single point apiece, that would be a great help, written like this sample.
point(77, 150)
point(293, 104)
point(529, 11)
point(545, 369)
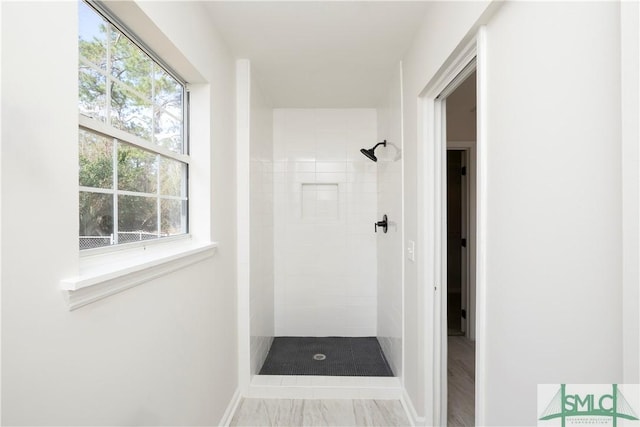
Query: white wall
point(554, 208)
point(554, 252)
point(150, 355)
point(255, 223)
point(324, 207)
point(261, 217)
point(389, 245)
point(630, 89)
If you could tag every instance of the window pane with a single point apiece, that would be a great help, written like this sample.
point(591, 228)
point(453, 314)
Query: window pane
point(167, 92)
point(173, 178)
point(92, 36)
point(130, 65)
point(173, 214)
point(96, 220)
point(125, 89)
point(129, 112)
point(96, 160)
point(168, 131)
point(167, 101)
point(137, 169)
point(137, 218)
point(92, 99)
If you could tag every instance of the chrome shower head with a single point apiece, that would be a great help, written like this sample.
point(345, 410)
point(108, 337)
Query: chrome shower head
point(370, 153)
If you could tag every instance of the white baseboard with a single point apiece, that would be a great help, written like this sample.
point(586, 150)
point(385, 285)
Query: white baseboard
point(407, 404)
point(231, 409)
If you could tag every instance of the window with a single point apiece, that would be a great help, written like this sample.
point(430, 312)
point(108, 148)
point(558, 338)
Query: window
point(133, 156)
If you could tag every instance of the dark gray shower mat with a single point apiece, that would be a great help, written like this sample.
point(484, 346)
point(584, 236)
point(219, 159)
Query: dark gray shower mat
point(345, 356)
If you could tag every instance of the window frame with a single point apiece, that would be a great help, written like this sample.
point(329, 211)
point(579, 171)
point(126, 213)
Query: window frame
point(118, 136)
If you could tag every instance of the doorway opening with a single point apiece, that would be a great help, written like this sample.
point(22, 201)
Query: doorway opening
point(460, 117)
point(437, 135)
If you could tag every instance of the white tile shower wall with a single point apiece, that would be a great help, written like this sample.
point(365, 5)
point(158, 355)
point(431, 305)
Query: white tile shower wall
point(261, 224)
point(390, 250)
point(325, 204)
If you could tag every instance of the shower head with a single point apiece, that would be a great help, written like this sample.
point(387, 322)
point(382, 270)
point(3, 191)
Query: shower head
point(370, 153)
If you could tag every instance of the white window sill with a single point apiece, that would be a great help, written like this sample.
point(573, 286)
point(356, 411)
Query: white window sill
point(106, 274)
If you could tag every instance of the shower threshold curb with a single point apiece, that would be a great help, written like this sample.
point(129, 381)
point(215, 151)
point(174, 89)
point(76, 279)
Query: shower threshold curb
point(324, 387)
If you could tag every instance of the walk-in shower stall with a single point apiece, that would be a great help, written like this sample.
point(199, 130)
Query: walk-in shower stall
point(323, 206)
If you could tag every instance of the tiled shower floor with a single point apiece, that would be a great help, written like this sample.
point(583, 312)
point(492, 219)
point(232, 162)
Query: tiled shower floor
point(343, 356)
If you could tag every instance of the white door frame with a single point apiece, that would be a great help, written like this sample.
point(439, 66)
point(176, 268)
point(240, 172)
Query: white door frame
point(432, 146)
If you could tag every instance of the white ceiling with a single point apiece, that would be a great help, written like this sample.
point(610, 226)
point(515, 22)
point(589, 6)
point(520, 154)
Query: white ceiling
point(320, 53)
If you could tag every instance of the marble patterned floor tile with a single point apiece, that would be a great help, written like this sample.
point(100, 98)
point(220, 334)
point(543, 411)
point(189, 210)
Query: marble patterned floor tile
point(251, 412)
point(283, 412)
point(328, 412)
point(461, 382)
point(319, 412)
point(379, 413)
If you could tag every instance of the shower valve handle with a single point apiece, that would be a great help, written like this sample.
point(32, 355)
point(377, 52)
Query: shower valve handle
point(382, 224)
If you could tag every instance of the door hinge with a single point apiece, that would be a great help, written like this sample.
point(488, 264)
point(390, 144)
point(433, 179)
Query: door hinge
point(464, 313)
point(464, 243)
point(463, 171)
